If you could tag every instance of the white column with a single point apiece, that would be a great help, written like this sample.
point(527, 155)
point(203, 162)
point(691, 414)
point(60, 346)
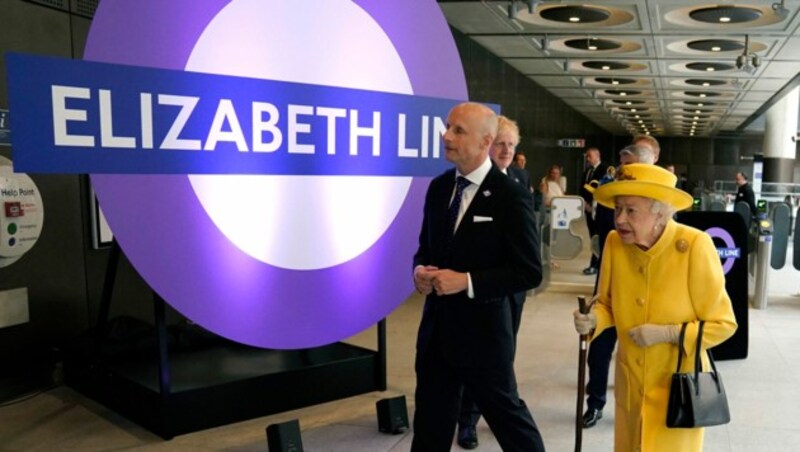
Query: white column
point(779, 132)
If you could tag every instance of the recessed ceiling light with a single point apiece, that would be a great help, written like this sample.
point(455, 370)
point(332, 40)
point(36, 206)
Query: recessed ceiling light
point(592, 47)
point(723, 19)
point(623, 93)
point(628, 102)
point(716, 49)
point(696, 117)
point(694, 123)
point(698, 111)
point(637, 116)
point(605, 68)
point(700, 104)
point(578, 19)
point(706, 84)
point(710, 69)
point(633, 110)
point(614, 82)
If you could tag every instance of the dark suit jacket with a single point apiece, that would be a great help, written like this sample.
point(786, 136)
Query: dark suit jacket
point(502, 258)
point(589, 175)
point(520, 176)
point(745, 194)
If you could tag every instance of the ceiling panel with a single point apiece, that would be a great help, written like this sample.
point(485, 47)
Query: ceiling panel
point(665, 55)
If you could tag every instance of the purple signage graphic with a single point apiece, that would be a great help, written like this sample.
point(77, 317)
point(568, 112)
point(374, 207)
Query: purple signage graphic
point(168, 225)
point(730, 253)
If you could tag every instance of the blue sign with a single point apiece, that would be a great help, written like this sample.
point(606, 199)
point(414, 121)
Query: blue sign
point(117, 119)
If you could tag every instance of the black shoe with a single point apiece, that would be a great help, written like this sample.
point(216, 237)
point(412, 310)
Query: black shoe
point(591, 416)
point(467, 437)
point(589, 271)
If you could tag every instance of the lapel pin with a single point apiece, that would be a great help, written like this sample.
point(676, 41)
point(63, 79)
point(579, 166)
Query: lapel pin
point(487, 193)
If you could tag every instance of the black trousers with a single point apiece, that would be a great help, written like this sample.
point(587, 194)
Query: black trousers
point(494, 389)
point(599, 360)
point(594, 262)
point(470, 414)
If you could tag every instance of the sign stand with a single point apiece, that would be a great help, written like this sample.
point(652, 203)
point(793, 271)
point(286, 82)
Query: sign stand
point(172, 390)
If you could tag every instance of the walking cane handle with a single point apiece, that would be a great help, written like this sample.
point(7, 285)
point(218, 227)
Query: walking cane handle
point(583, 308)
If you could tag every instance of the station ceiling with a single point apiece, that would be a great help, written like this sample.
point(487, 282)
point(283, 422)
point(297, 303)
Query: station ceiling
point(665, 67)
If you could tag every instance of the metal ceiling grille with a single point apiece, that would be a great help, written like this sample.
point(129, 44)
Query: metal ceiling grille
point(57, 4)
point(85, 8)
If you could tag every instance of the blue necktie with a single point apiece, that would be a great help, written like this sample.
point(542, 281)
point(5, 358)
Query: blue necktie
point(455, 205)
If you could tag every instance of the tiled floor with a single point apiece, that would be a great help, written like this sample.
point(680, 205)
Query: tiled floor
point(762, 389)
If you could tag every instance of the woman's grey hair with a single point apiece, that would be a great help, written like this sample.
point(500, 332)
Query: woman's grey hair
point(666, 210)
point(642, 154)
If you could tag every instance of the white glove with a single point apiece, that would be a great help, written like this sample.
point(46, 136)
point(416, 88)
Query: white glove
point(584, 323)
point(650, 334)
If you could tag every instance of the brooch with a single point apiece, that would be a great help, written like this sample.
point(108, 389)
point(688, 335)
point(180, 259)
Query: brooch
point(682, 246)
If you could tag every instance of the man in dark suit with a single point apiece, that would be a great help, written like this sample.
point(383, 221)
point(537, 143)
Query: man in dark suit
point(744, 192)
point(595, 170)
point(477, 247)
point(502, 155)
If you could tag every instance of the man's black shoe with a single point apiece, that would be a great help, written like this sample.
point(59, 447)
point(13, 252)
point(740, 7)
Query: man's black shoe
point(591, 416)
point(589, 271)
point(467, 437)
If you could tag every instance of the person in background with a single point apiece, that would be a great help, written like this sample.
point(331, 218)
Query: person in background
point(550, 185)
point(655, 275)
point(650, 142)
point(744, 192)
point(520, 161)
point(595, 170)
point(502, 154)
point(478, 245)
point(602, 346)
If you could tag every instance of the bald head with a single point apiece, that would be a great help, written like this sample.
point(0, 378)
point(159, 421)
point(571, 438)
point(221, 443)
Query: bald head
point(471, 129)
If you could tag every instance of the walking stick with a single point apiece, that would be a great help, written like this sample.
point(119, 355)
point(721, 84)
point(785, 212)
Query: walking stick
point(583, 342)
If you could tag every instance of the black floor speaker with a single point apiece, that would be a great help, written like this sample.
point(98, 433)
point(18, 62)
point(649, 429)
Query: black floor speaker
point(392, 415)
point(284, 437)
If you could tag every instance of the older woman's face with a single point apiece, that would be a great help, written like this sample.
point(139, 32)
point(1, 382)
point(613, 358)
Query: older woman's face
point(635, 222)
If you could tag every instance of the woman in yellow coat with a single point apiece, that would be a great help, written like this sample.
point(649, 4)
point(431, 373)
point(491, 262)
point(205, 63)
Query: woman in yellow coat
point(656, 274)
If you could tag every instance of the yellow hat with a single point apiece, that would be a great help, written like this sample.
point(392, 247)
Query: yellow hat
point(648, 181)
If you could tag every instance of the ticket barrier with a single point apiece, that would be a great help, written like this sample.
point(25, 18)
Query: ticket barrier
point(558, 237)
point(764, 234)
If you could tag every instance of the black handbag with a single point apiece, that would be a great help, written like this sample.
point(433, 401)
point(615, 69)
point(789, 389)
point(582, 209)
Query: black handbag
point(696, 399)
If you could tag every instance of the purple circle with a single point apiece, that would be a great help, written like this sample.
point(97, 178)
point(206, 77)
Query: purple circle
point(173, 244)
point(726, 237)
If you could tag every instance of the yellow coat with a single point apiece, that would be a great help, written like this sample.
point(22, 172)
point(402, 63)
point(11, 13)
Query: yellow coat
point(677, 280)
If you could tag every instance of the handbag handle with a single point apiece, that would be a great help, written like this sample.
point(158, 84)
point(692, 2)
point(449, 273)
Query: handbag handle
point(697, 362)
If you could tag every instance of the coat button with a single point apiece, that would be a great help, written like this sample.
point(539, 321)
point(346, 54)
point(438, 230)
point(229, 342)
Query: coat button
point(640, 301)
point(641, 270)
point(639, 361)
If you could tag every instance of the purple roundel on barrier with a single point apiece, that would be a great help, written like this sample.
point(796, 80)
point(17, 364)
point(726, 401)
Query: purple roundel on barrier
point(169, 235)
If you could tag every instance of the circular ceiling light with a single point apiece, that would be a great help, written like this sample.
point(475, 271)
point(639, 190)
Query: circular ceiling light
point(704, 82)
point(628, 102)
point(715, 45)
point(615, 81)
point(698, 104)
point(619, 92)
point(633, 110)
point(592, 44)
point(605, 65)
point(709, 67)
point(575, 14)
point(725, 15)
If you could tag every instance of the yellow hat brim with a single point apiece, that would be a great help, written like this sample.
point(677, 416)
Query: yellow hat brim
point(605, 194)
